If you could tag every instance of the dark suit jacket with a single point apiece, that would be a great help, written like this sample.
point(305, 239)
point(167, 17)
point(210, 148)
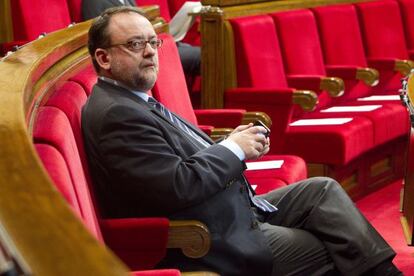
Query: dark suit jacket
point(143, 166)
point(93, 8)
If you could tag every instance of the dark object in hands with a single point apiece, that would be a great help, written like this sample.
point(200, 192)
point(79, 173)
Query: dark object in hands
point(260, 123)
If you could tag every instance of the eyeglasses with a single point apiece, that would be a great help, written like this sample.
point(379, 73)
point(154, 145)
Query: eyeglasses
point(136, 45)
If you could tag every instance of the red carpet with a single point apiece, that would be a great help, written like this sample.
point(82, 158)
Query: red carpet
point(382, 210)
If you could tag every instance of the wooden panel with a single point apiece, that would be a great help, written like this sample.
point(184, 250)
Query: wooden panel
point(6, 27)
point(408, 197)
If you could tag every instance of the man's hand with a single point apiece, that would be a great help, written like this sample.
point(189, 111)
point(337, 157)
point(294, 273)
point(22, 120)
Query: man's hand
point(251, 140)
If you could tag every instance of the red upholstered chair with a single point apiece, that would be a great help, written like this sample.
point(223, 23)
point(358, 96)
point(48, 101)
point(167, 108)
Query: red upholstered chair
point(171, 90)
point(407, 10)
point(263, 85)
point(139, 242)
point(303, 56)
point(163, 4)
point(33, 18)
point(384, 40)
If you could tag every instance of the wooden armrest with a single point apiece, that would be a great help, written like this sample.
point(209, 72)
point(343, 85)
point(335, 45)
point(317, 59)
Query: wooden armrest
point(252, 116)
point(219, 133)
point(191, 236)
point(335, 86)
point(404, 66)
point(307, 99)
point(199, 273)
point(369, 76)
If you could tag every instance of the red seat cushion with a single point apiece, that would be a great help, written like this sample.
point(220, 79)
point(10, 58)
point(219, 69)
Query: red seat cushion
point(86, 78)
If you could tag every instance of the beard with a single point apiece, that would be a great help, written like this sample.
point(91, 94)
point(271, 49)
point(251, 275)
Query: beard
point(136, 79)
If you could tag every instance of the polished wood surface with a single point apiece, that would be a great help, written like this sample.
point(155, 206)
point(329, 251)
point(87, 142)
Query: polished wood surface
point(6, 28)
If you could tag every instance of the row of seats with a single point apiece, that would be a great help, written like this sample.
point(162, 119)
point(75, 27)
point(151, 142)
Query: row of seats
point(279, 53)
point(32, 19)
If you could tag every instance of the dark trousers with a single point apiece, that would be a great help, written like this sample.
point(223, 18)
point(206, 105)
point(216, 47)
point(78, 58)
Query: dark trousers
point(318, 230)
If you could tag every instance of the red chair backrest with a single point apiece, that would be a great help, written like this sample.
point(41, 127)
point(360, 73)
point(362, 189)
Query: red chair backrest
point(163, 4)
point(382, 29)
point(258, 58)
point(340, 35)
point(75, 9)
point(52, 127)
point(32, 18)
point(171, 88)
point(407, 12)
point(299, 41)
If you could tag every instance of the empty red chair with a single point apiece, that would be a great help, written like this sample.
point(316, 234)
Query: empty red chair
point(260, 70)
point(34, 18)
point(302, 54)
point(171, 90)
point(384, 40)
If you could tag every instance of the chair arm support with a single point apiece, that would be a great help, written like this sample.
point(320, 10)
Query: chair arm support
point(156, 235)
point(307, 99)
point(191, 236)
point(207, 129)
point(252, 116)
point(223, 118)
point(404, 66)
point(220, 133)
point(392, 64)
point(333, 85)
point(368, 75)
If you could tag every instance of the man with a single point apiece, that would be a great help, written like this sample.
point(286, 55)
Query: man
point(190, 55)
point(147, 161)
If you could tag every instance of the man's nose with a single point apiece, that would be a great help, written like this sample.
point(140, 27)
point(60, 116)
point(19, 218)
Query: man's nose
point(149, 50)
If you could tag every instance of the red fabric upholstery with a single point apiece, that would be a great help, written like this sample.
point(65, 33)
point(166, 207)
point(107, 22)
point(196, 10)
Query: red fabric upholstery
point(301, 49)
point(258, 47)
point(388, 43)
point(163, 4)
point(342, 47)
point(171, 88)
point(56, 167)
point(384, 16)
point(148, 235)
point(75, 9)
point(224, 118)
point(407, 10)
point(86, 78)
point(175, 6)
point(61, 137)
point(32, 18)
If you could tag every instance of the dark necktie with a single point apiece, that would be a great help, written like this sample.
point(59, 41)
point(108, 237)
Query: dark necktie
point(260, 203)
point(176, 121)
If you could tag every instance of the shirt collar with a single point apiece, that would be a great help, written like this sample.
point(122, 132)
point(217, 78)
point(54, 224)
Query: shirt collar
point(142, 95)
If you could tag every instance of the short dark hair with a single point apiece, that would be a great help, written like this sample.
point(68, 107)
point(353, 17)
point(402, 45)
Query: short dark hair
point(98, 33)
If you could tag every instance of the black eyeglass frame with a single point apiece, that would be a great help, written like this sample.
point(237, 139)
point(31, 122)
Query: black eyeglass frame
point(155, 43)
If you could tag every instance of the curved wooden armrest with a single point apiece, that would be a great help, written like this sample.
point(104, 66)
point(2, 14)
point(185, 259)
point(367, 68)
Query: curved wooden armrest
point(219, 133)
point(307, 99)
point(404, 66)
point(199, 273)
point(191, 236)
point(369, 76)
point(335, 86)
point(252, 116)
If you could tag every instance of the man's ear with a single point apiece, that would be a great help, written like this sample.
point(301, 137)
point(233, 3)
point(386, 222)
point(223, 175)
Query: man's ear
point(103, 59)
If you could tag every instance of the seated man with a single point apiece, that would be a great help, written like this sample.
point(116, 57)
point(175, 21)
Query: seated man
point(190, 55)
point(147, 161)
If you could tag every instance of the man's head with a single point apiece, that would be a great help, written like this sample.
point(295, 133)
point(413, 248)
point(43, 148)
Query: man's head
point(123, 46)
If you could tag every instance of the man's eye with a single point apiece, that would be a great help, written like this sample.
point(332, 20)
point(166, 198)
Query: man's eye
point(154, 42)
point(137, 44)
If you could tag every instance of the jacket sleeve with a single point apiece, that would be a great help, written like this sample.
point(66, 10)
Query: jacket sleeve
point(146, 159)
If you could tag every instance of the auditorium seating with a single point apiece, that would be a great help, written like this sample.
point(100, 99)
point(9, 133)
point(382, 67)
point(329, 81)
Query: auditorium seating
point(297, 31)
point(407, 8)
point(171, 90)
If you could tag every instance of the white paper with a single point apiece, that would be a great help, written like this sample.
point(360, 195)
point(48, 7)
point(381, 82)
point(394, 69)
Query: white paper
point(263, 165)
point(358, 108)
point(321, 122)
point(381, 98)
point(254, 187)
point(182, 22)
